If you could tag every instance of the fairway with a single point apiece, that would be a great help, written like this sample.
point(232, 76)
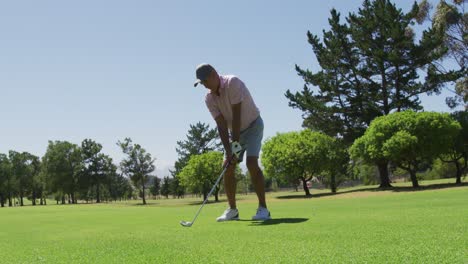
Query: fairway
point(429, 226)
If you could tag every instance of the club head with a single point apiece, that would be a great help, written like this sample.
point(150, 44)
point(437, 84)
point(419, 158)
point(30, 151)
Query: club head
point(185, 223)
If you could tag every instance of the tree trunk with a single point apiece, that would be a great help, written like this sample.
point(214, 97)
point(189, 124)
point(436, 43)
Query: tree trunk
point(10, 204)
point(63, 199)
point(144, 200)
point(459, 172)
point(2, 202)
point(333, 183)
point(98, 198)
point(397, 88)
point(21, 199)
point(304, 185)
point(386, 108)
point(383, 172)
point(34, 197)
point(414, 180)
point(41, 201)
point(216, 195)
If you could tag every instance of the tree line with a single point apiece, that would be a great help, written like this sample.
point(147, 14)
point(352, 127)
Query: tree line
point(71, 172)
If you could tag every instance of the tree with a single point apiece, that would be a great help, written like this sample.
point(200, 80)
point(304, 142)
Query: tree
point(453, 21)
point(137, 165)
point(98, 167)
point(5, 175)
point(301, 155)
point(201, 173)
point(368, 174)
point(337, 164)
point(122, 187)
point(407, 139)
point(43, 180)
point(36, 180)
point(176, 188)
point(23, 170)
point(458, 153)
point(200, 139)
point(109, 170)
point(18, 171)
point(441, 170)
point(156, 186)
point(165, 188)
point(116, 183)
point(62, 165)
point(11, 183)
point(369, 68)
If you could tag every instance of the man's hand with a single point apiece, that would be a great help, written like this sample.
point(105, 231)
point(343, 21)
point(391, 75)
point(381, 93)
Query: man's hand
point(234, 154)
point(236, 148)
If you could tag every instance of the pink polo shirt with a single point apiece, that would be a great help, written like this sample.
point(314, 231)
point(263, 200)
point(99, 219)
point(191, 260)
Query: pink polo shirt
point(232, 91)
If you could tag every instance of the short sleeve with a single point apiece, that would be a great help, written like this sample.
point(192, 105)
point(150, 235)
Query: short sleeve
point(236, 90)
point(214, 110)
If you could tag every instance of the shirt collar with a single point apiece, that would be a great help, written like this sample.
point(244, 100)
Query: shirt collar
point(222, 85)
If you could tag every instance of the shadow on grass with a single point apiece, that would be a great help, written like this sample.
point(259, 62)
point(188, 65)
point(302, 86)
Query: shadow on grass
point(276, 221)
point(212, 201)
point(428, 187)
point(141, 204)
point(318, 195)
point(82, 203)
point(209, 202)
point(376, 189)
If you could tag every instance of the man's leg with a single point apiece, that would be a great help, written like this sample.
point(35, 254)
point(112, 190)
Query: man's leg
point(230, 185)
point(257, 178)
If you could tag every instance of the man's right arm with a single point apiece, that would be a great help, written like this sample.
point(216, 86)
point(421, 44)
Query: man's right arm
point(224, 135)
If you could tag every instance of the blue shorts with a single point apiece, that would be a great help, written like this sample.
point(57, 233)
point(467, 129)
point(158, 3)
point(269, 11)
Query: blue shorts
point(251, 139)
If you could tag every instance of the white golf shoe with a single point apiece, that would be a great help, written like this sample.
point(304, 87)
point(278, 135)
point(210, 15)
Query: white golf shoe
point(228, 215)
point(262, 214)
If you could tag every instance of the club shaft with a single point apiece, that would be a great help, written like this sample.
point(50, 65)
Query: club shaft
point(212, 189)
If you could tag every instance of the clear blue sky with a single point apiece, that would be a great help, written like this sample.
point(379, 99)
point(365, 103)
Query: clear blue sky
point(107, 70)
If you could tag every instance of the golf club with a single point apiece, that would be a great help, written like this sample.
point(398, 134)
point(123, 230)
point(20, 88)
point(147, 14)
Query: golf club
point(189, 224)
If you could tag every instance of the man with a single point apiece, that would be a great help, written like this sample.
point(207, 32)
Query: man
point(232, 107)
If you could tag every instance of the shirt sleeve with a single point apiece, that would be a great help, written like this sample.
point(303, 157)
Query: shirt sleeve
point(236, 90)
point(212, 107)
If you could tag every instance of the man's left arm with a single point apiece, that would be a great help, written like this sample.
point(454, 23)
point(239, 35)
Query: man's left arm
point(236, 95)
point(236, 119)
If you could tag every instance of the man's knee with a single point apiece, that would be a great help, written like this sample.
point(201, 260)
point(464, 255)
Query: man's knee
point(252, 163)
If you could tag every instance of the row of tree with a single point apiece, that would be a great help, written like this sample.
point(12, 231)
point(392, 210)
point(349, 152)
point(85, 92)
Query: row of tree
point(408, 140)
point(71, 172)
point(372, 65)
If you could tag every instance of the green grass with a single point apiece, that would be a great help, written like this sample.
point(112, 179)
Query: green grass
point(427, 226)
